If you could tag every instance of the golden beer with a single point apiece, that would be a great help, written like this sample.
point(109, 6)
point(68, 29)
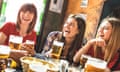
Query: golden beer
point(15, 46)
point(90, 68)
point(4, 56)
point(95, 65)
point(15, 42)
point(29, 44)
point(57, 49)
point(4, 51)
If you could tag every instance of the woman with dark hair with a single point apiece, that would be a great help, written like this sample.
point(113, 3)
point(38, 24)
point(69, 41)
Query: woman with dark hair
point(24, 27)
point(72, 35)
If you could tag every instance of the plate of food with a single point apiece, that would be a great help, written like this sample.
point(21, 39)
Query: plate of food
point(28, 62)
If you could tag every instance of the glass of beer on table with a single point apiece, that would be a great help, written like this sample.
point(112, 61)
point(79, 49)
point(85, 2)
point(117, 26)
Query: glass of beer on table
point(29, 43)
point(4, 54)
point(95, 65)
point(83, 59)
point(56, 49)
point(15, 42)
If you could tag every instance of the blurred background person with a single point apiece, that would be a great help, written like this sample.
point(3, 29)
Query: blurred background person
point(106, 44)
point(23, 27)
point(71, 35)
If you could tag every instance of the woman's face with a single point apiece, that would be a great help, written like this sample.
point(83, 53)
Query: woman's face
point(105, 31)
point(26, 17)
point(70, 28)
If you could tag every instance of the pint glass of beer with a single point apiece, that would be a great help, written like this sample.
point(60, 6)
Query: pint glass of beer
point(15, 42)
point(83, 60)
point(56, 49)
point(95, 65)
point(4, 54)
point(29, 43)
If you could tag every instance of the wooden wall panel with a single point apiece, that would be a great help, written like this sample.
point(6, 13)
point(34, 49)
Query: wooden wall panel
point(93, 12)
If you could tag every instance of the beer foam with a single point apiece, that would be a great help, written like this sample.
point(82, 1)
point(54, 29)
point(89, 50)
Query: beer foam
point(4, 49)
point(97, 63)
point(58, 43)
point(29, 42)
point(15, 39)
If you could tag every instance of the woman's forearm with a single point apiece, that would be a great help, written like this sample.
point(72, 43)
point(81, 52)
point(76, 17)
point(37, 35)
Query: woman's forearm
point(2, 38)
point(81, 51)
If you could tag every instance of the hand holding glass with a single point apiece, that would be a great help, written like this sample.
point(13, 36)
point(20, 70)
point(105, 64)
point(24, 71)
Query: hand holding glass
point(15, 42)
point(56, 49)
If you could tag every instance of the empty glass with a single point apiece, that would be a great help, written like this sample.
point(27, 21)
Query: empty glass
point(63, 65)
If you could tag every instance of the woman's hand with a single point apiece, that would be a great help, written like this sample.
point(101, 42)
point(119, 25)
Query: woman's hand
point(97, 42)
point(3, 37)
point(48, 54)
point(91, 43)
point(17, 54)
point(107, 70)
point(29, 48)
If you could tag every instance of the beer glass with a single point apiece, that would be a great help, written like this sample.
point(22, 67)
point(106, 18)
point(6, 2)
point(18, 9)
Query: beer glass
point(56, 49)
point(83, 60)
point(15, 42)
point(29, 44)
point(95, 65)
point(4, 54)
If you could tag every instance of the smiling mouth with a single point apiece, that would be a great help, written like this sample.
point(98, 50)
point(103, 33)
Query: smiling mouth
point(101, 36)
point(67, 31)
point(25, 19)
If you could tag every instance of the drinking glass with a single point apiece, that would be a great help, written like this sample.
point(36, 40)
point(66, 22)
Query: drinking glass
point(4, 51)
point(4, 54)
point(15, 42)
point(29, 44)
point(56, 49)
point(83, 60)
point(95, 65)
point(63, 65)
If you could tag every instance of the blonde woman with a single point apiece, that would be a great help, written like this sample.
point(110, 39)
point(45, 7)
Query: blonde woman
point(107, 44)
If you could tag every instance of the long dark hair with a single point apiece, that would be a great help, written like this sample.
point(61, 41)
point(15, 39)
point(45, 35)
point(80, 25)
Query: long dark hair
point(77, 43)
point(31, 8)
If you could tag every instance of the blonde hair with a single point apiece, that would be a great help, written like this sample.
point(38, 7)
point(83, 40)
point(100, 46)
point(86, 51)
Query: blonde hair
point(113, 44)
